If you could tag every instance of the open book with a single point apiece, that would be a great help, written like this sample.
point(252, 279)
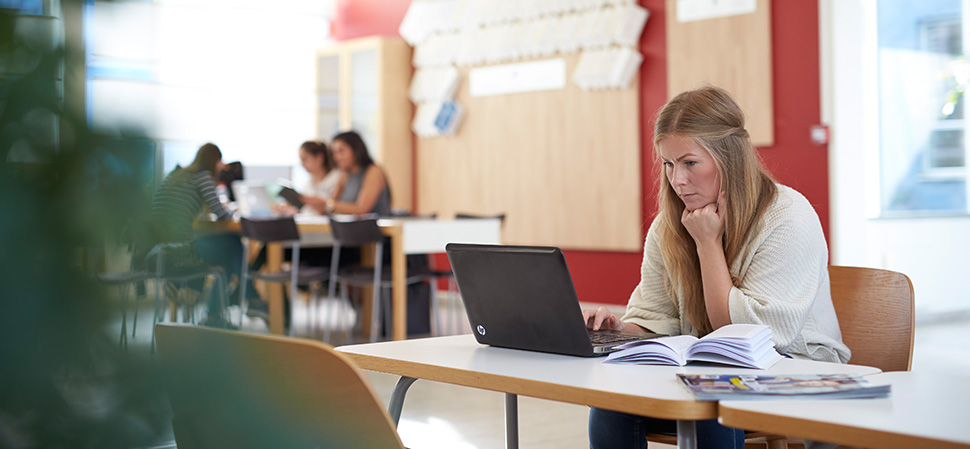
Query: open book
point(747, 345)
point(712, 387)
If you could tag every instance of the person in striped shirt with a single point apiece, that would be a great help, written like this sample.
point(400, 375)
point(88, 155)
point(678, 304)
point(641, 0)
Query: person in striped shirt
point(185, 194)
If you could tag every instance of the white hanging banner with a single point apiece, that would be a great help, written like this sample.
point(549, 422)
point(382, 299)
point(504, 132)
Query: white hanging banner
point(691, 10)
point(548, 74)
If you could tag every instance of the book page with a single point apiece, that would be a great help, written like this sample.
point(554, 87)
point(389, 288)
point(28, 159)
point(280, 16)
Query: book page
point(656, 351)
point(736, 331)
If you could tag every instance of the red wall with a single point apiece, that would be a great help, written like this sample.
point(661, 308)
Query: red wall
point(360, 18)
point(610, 276)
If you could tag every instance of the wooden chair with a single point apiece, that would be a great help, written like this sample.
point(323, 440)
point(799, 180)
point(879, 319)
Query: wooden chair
point(230, 389)
point(875, 310)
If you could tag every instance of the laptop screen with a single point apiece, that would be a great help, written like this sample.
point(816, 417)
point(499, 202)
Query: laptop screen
point(520, 297)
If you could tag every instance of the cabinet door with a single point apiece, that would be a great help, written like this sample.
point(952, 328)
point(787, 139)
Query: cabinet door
point(328, 96)
point(364, 99)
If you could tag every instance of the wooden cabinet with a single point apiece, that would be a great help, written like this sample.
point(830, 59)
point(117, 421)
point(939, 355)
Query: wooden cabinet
point(362, 85)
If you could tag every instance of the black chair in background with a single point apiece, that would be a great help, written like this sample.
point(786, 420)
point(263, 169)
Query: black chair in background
point(232, 172)
point(126, 280)
point(351, 232)
point(282, 230)
point(173, 264)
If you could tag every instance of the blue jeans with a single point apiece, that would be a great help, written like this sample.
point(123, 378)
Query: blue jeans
point(609, 429)
point(223, 250)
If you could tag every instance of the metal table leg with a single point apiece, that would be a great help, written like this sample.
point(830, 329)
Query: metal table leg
point(511, 421)
point(686, 434)
point(396, 404)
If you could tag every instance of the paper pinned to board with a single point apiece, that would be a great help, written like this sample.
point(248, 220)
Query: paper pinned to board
point(533, 76)
point(694, 10)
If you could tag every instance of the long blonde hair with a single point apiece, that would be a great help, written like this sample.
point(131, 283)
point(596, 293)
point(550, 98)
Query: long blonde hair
point(712, 119)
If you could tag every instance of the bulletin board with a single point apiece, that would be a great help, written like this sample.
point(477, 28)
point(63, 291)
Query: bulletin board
point(732, 52)
point(563, 165)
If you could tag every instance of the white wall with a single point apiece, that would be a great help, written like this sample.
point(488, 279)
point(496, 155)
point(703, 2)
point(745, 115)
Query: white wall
point(933, 252)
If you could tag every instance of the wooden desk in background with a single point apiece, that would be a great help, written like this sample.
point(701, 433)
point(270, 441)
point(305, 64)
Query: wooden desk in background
point(924, 410)
point(408, 236)
point(638, 389)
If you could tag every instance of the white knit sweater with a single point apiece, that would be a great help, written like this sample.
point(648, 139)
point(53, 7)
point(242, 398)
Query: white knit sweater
point(783, 273)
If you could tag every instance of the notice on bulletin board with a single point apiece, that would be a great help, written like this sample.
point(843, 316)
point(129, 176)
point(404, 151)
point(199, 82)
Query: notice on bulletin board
point(693, 10)
point(549, 74)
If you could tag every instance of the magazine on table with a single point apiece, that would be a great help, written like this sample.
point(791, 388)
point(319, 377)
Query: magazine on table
point(713, 387)
point(746, 345)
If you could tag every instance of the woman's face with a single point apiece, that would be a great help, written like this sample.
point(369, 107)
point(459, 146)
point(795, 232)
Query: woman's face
point(691, 171)
point(312, 164)
point(343, 156)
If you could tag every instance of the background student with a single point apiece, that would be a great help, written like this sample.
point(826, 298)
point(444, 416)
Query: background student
point(728, 245)
point(318, 161)
point(362, 188)
point(183, 196)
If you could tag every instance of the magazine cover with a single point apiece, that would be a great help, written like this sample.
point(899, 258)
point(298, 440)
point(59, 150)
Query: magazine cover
point(709, 387)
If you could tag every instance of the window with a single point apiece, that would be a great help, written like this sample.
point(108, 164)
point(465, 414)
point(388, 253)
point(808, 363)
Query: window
point(186, 72)
point(923, 73)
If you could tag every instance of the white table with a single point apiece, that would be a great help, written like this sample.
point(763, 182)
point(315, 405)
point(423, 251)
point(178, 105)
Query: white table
point(638, 389)
point(924, 410)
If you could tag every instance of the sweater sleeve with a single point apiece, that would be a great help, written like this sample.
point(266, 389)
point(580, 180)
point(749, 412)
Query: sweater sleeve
point(783, 276)
point(650, 306)
point(207, 189)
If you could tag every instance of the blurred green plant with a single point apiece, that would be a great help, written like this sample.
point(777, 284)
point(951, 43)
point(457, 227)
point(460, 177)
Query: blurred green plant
point(64, 382)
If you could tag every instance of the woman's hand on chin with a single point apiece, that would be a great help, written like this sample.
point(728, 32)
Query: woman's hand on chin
point(706, 224)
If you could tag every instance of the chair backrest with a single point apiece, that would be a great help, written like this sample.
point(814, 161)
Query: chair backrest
point(875, 310)
point(355, 232)
point(270, 229)
point(230, 389)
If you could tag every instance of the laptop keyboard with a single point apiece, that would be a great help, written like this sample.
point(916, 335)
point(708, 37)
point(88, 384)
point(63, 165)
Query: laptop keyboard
point(606, 337)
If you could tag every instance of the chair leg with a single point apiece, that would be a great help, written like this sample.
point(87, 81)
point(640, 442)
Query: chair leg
point(313, 310)
point(329, 322)
point(134, 319)
point(123, 339)
point(435, 314)
point(222, 287)
point(345, 299)
point(159, 288)
point(375, 310)
point(388, 322)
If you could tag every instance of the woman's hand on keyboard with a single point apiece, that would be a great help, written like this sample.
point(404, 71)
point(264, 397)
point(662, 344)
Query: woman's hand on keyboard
point(602, 318)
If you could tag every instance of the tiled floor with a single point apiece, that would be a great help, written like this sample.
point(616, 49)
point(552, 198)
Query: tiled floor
point(438, 415)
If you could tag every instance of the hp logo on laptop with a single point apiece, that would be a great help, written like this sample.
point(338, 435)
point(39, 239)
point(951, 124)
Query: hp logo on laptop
point(481, 329)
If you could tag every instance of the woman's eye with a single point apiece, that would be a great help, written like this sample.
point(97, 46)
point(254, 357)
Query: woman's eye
point(690, 163)
point(668, 164)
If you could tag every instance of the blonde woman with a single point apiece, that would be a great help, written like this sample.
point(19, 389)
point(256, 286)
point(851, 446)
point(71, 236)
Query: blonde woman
point(728, 245)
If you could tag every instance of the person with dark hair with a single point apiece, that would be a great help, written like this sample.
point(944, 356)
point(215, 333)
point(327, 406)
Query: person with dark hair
point(318, 161)
point(363, 186)
point(186, 193)
point(728, 245)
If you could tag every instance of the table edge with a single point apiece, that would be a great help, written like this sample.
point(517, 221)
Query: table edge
point(823, 431)
point(641, 405)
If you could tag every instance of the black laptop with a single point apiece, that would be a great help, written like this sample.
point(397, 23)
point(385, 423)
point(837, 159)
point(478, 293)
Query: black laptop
point(522, 297)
